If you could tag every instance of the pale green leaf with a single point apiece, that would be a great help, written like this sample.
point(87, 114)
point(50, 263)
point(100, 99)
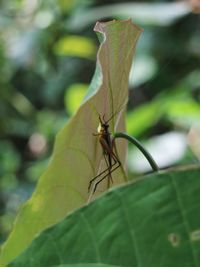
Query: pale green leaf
point(77, 153)
point(75, 46)
point(74, 96)
point(144, 117)
point(184, 112)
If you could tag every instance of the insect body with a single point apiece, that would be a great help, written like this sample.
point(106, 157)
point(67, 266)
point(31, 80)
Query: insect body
point(111, 159)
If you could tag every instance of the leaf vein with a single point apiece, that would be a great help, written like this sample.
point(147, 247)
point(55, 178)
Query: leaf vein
point(130, 228)
point(184, 217)
point(91, 236)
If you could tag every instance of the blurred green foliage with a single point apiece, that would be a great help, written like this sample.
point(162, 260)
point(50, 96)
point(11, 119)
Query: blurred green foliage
point(74, 96)
point(47, 60)
point(75, 46)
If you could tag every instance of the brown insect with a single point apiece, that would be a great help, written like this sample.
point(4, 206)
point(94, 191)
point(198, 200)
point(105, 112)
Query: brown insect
point(111, 159)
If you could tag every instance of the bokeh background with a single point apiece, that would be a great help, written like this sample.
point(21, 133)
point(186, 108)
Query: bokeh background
point(47, 59)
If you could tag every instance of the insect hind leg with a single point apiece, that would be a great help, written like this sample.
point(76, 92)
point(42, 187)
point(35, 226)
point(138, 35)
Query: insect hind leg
point(112, 170)
point(96, 177)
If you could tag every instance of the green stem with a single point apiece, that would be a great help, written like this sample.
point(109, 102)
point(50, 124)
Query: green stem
point(140, 147)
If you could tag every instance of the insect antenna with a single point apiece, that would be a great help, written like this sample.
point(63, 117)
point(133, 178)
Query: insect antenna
point(116, 112)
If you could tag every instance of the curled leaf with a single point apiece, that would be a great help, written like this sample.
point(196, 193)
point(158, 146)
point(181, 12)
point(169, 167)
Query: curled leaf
point(77, 154)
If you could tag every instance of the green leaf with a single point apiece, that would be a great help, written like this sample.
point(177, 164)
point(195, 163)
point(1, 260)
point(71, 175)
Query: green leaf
point(74, 96)
point(152, 222)
point(184, 112)
point(86, 265)
point(75, 46)
point(77, 153)
point(143, 117)
point(175, 105)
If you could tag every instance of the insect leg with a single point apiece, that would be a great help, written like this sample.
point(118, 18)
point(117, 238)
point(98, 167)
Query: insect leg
point(91, 181)
point(96, 184)
point(113, 156)
point(109, 165)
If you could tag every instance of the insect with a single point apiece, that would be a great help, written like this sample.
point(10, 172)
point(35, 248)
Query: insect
point(111, 159)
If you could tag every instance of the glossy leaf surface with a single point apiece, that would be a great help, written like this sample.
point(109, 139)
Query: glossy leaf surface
point(152, 222)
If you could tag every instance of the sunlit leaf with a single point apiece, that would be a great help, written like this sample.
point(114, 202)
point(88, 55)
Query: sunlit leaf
point(77, 153)
point(176, 106)
point(143, 117)
point(66, 5)
point(73, 45)
point(183, 112)
point(74, 96)
point(152, 222)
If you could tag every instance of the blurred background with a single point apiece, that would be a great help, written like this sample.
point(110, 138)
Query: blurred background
point(47, 59)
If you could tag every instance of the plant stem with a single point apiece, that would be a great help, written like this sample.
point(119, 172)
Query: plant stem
point(140, 147)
